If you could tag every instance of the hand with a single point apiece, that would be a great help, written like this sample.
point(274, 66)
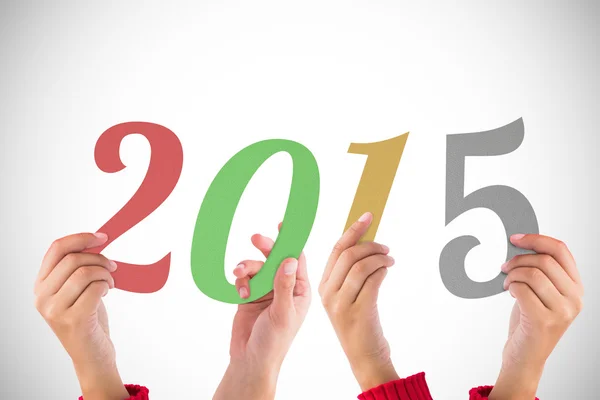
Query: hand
point(349, 291)
point(69, 290)
point(263, 330)
point(548, 290)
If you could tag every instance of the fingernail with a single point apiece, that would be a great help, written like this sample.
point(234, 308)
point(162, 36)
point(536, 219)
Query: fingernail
point(503, 267)
point(365, 217)
point(113, 266)
point(505, 284)
point(392, 260)
point(101, 236)
point(290, 266)
point(105, 292)
point(518, 236)
point(243, 292)
point(239, 268)
point(385, 248)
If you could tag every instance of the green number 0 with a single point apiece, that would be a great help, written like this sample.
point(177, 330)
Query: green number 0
point(218, 208)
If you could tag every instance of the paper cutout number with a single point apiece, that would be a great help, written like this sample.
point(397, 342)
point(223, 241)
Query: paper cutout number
point(515, 211)
point(376, 181)
point(218, 208)
point(166, 162)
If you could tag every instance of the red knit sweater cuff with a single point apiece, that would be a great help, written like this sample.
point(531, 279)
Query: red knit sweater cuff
point(411, 388)
point(482, 393)
point(136, 392)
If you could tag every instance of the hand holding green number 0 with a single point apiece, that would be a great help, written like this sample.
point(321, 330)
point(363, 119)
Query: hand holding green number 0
point(263, 330)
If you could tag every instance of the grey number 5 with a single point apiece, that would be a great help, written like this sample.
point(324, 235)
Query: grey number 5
point(509, 204)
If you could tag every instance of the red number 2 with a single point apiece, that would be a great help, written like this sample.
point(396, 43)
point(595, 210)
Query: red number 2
point(166, 162)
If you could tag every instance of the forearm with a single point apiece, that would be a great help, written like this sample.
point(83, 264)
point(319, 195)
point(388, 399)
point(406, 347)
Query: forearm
point(370, 375)
point(101, 383)
point(243, 381)
point(517, 384)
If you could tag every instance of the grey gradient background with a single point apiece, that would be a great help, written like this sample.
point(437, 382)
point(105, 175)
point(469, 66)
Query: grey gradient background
point(224, 74)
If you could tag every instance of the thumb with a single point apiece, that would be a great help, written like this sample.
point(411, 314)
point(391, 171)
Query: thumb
point(283, 289)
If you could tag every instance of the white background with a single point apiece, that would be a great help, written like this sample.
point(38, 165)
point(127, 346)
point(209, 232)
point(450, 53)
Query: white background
point(225, 74)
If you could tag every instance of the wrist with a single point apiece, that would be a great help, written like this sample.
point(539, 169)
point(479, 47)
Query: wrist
point(101, 382)
point(373, 374)
point(517, 383)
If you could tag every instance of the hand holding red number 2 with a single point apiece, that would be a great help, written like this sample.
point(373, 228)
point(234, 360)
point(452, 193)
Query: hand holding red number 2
point(68, 294)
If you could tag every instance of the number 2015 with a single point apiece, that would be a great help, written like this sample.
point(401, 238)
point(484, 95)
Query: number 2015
point(216, 213)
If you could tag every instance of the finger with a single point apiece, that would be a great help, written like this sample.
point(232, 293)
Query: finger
point(539, 283)
point(69, 244)
point(302, 282)
point(348, 239)
point(302, 274)
point(65, 268)
point(529, 303)
point(359, 273)
point(370, 290)
point(547, 245)
point(348, 258)
point(549, 266)
point(263, 243)
point(283, 290)
point(247, 268)
point(78, 282)
point(244, 272)
point(91, 297)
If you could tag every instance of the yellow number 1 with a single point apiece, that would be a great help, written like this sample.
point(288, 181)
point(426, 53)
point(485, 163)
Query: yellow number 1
point(377, 179)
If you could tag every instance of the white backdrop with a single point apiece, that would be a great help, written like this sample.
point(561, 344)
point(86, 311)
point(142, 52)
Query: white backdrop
point(225, 74)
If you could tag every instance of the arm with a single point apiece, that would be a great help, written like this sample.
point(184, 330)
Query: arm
point(548, 292)
point(69, 290)
point(349, 290)
point(264, 330)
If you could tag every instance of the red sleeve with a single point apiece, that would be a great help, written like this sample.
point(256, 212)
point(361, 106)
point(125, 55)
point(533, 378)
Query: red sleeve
point(137, 392)
point(482, 393)
point(415, 388)
point(411, 388)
